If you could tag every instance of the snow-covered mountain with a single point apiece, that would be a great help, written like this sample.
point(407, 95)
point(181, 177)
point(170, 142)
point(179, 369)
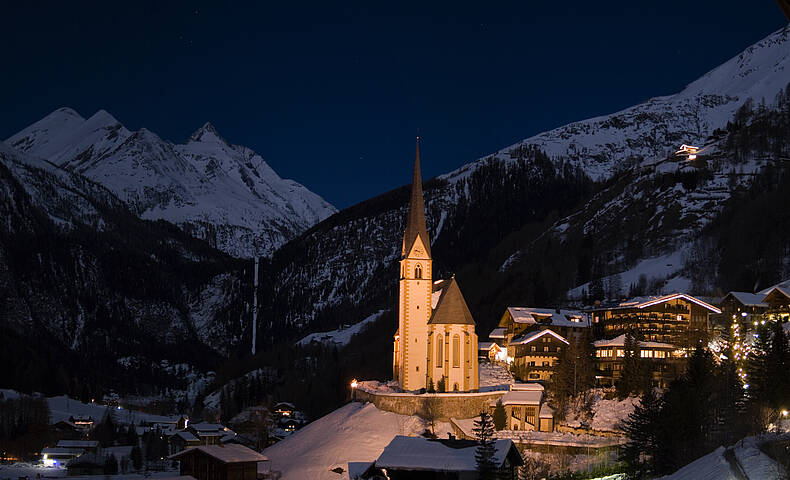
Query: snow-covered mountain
point(489, 212)
point(226, 194)
point(654, 129)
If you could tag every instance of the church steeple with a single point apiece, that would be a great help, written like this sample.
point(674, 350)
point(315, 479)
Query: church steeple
point(415, 222)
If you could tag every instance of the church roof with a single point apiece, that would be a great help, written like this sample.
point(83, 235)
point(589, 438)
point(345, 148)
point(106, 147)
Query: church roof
point(415, 222)
point(451, 307)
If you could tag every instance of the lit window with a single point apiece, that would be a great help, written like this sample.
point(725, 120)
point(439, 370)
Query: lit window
point(439, 350)
point(534, 349)
point(546, 364)
point(545, 349)
point(620, 353)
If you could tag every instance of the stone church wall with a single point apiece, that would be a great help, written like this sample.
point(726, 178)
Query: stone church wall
point(443, 406)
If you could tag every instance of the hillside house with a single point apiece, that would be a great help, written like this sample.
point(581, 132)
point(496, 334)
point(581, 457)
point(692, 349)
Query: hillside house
point(517, 321)
point(778, 300)
point(526, 409)
point(535, 354)
point(488, 352)
point(219, 462)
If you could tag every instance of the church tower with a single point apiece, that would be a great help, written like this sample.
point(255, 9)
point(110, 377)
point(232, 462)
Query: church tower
point(410, 362)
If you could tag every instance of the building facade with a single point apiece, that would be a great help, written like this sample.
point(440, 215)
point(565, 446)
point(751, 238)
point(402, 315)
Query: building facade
point(436, 339)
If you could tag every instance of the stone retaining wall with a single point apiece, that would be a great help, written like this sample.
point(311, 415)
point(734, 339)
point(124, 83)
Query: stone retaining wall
point(442, 405)
point(587, 431)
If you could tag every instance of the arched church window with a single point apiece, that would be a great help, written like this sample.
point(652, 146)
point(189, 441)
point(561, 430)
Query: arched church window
point(418, 271)
point(456, 351)
point(439, 350)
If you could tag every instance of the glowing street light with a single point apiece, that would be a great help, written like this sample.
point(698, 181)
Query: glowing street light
point(354, 385)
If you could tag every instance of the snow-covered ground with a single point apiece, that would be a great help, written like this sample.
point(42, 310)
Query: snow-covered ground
point(19, 470)
point(354, 433)
point(747, 462)
point(342, 336)
point(607, 414)
point(494, 376)
point(664, 267)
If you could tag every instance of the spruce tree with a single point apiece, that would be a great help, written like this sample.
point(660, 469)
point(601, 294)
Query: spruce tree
point(500, 416)
point(641, 429)
point(486, 450)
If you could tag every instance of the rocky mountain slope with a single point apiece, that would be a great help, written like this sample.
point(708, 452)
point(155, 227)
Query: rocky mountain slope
point(503, 222)
point(223, 193)
point(84, 282)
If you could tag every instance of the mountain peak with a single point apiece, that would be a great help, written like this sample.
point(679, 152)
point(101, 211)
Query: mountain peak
point(207, 133)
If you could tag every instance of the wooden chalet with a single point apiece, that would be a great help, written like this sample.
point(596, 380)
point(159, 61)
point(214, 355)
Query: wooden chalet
point(535, 354)
point(739, 303)
point(678, 319)
point(526, 409)
point(516, 321)
point(778, 300)
point(219, 462)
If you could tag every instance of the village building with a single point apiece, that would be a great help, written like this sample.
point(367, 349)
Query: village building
point(489, 352)
point(435, 341)
point(56, 456)
point(418, 458)
point(182, 440)
point(740, 303)
point(89, 446)
point(678, 319)
point(219, 462)
point(778, 300)
point(526, 409)
point(665, 360)
point(517, 321)
point(535, 354)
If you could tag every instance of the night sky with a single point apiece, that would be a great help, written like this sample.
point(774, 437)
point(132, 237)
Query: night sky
point(333, 96)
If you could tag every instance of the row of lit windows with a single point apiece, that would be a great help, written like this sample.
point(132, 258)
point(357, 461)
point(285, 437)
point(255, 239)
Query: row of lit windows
point(456, 351)
point(607, 353)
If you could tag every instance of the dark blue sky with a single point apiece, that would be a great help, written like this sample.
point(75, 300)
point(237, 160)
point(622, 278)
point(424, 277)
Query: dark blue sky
point(332, 96)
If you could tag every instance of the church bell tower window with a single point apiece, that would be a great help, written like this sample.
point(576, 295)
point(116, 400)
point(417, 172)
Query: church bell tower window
point(418, 272)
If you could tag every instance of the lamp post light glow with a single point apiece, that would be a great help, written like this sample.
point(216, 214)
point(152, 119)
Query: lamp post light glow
point(354, 385)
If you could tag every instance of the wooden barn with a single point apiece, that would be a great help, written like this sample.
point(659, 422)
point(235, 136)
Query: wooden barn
point(219, 462)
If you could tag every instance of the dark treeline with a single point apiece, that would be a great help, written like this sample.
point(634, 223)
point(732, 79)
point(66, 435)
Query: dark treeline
point(709, 406)
point(24, 425)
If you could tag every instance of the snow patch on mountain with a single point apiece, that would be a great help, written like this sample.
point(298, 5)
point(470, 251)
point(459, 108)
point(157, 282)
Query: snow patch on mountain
point(226, 194)
point(604, 145)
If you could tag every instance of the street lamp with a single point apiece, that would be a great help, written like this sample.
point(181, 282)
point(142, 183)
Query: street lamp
point(354, 385)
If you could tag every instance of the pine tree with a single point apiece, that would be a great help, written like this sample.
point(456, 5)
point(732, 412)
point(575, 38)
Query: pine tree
point(136, 456)
point(500, 416)
point(629, 378)
point(486, 451)
point(641, 429)
point(431, 388)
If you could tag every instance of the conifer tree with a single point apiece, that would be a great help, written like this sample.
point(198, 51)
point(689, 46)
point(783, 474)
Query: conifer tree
point(500, 416)
point(641, 429)
point(486, 450)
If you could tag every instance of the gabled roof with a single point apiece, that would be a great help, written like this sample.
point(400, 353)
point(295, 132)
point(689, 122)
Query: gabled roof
point(532, 336)
point(451, 307)
point(497, 333)
point(418, 453)
point(207, 427)
point(785, 284)
point(230, 453)
point(644, 302)
point(187, 436)
point(561, 318)
point(486, 345)
point(748, 299)
point(415, 222)
point(619, 341)
point(781, 290)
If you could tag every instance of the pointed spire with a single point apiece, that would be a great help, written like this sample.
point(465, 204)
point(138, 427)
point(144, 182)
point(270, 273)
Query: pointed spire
point(415, 222)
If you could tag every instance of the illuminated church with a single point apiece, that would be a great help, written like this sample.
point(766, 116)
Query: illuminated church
point(436, 332)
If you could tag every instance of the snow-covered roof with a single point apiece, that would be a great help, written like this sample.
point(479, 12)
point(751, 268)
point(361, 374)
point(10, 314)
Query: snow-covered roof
point(287, 405)
point(619, 341)
point(62, 451)
point(749, 299)
point(783, 290)
point(524, 387)
point(522, 397)
point(230, 453)
point(784, 284)
point(418, 453)
point(206, 427)
point(187, 436)
point(497, 333)
point(485, 345)
point(532, 336)
point(558, 318)
point(78, 443)
point(644, 302)
point(546, 411)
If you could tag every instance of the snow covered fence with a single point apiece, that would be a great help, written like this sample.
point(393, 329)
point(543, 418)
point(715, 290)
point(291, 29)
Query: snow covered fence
point(441, 406)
